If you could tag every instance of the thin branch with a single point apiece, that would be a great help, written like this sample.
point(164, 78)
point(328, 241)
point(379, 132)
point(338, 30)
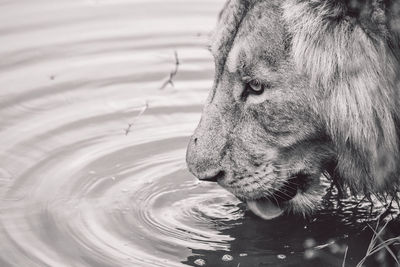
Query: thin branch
point(173, 73)
point(144, 108)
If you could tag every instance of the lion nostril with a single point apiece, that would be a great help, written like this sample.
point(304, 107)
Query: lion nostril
point(213, 178)
point(195, 141)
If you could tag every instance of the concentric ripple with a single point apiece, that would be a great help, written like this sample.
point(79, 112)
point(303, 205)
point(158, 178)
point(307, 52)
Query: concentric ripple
point(92, 168)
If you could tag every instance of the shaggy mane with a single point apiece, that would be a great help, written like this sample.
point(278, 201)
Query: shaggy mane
point(352, 61)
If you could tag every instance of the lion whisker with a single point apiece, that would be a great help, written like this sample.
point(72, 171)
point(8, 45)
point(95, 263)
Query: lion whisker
point(277, 202)
point(281, 192)
point(291, 187)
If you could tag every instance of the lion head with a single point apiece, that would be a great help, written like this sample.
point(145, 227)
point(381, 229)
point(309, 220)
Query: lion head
point(301, 88)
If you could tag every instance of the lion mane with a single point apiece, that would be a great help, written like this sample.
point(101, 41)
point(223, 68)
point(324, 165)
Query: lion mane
point(353, 59)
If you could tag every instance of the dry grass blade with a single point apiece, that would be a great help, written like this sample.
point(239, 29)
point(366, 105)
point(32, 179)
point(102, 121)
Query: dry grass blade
point(345, 255)
point(384, 244)
point(173, 73)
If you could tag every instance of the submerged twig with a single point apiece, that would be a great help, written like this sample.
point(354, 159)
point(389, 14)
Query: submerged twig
point(173, 73)
point(144, 108)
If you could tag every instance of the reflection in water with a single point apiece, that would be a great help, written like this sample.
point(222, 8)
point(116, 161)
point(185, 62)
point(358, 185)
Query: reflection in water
point(78, 189)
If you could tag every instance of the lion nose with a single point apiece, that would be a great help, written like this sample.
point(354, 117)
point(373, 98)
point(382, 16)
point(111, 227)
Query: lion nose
point(201, 163)
point(212, 177)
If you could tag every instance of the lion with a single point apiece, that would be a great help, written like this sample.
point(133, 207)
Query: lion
point(302, 89)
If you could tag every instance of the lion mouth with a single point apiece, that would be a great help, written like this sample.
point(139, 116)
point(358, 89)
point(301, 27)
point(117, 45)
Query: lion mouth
point(288, 191)
point(275, 205)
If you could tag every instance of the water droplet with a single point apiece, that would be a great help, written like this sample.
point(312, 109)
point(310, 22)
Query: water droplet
point(92, 172)
point(281, 256)
point(227, 257)
point(309, 254)
point(309, 243)
point(200, 262)
point(335, 248)
point(113, 178)
point(243, 254)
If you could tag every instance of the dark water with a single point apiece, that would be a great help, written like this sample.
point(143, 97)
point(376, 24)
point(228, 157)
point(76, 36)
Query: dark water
point(92, 169)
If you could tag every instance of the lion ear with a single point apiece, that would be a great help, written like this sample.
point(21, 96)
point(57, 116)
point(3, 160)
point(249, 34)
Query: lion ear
point(354, 72)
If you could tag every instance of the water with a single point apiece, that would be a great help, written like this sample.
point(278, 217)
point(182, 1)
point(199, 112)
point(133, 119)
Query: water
point(92, 151)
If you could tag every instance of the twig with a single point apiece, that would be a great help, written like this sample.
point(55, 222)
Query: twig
point(173, 73)
point(128, 130)
point(144, 108)
point(324, 246)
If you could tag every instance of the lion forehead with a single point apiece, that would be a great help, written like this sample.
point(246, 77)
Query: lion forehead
point(248, 31)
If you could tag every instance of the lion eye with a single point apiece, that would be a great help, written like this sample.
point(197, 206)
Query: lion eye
point(255, 87)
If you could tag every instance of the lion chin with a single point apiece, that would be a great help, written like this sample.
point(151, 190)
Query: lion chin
point(302, 89)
